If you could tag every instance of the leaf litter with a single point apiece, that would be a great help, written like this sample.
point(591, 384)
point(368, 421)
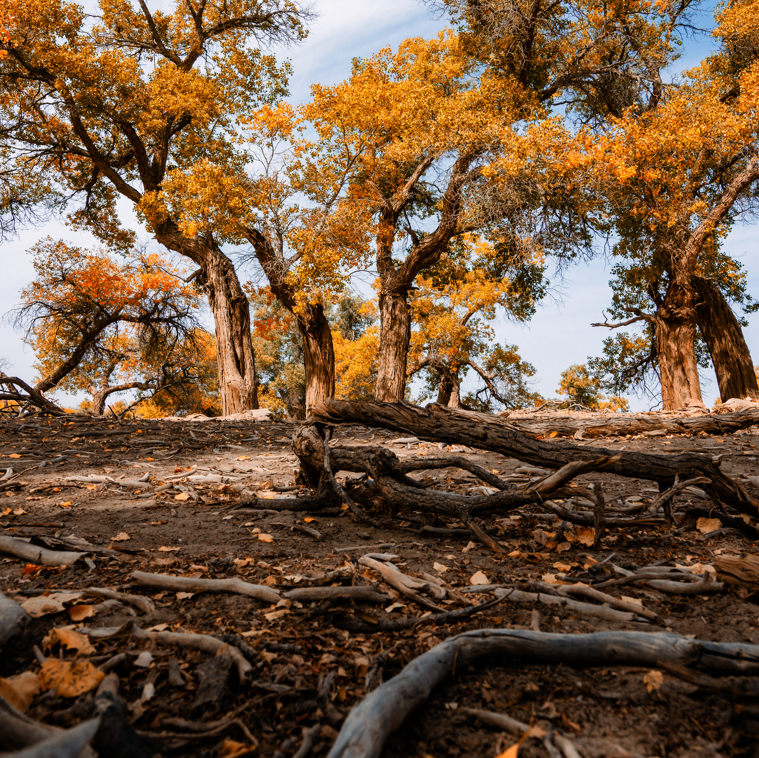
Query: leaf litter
point(202, 674)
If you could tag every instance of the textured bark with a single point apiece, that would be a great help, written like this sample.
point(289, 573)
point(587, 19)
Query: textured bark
point(675, 327)
point(485, 432)
point(318, 353)
point(371, 722)
point(398, 278)
point(621, 425)
point(395, 335)
point(229, 305)
point(727, 345)
point(234, 349)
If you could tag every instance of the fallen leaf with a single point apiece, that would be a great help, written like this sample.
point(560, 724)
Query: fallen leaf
point(393, 607)
point(634, 600)
point(71, 640)
point(265, 537)
point(182, 496)
point(553, 434)
point(121, 537)
point(164, 549)
point(309, 519)
point(42, 606)
point(550, 579)
point(144, 659)
point(562, 547)
point(274, 615)
point(511, 752)
point(231, 748)
point(440, 568)
point(67, 504)
point(542, 537)
point(69, 678)
point(19, 512)
point(243, 458)
point(14, 455)
point(515, 554)
point(184, 595)
point(559, 566)
point(589, 561)
point(470, 546)
point(81, 612)
point(478, 578)
point(92, 486)
point(20, 690)
point(585, 535)
point(158, 628)
point(705, 525)
point(653, 680)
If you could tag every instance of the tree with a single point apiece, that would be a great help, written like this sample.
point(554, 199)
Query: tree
point(582, 388)
point(91, 318)
point(284, 206)
point(279, 347)
point(452, 335)
point(677, 178)
point(409, 136)
point(454, 135)
point(356, 341)
point(107, 106)
point(279, 344)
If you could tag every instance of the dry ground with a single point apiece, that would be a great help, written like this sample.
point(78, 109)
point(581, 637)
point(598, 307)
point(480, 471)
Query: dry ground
point(309, 669)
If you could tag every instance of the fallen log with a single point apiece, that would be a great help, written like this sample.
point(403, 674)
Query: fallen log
point(370, 722)
point(437, 423)
point(623, 425)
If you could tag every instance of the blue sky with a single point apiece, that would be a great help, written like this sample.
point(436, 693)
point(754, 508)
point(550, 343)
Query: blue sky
point(558, 336)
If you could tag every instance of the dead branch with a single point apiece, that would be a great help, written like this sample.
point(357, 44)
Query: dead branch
point(370, 723)
point(38, 555)
point(27, 399)
point(189, 584)
point(506, 723)
point(384, 623)
point(405, 584)
point(587, 609)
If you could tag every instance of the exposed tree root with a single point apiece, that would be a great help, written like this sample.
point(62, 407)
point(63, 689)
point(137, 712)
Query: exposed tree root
point(13, 619)
point(390, 481)
point(370, 723)
point(441, 424)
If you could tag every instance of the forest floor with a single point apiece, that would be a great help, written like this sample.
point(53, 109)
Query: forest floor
point(168, 506)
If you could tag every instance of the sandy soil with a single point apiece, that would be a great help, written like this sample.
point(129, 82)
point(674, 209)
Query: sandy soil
point(179, 516)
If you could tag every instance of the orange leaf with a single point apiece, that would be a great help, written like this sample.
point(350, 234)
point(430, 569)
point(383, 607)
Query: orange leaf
point(69, 678)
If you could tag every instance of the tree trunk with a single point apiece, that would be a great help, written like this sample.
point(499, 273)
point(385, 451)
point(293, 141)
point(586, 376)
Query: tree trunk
point(444, 389)
point(395, 335)
point(234, 349)
point(727, 345)
point(675, 343)
point(318, 354)
point(238, 387)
